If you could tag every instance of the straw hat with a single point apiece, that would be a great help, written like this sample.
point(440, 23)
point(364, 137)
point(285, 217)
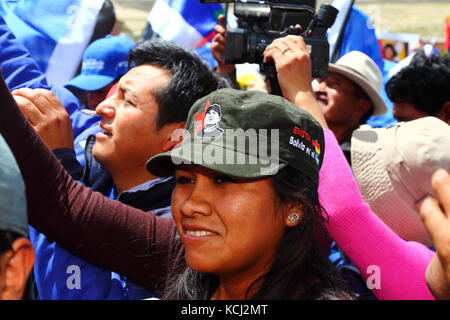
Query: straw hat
point(362, 70)
point(393, 168)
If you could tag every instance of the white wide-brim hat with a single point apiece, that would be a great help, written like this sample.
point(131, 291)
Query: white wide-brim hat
point(363, 71)
point(393, 168)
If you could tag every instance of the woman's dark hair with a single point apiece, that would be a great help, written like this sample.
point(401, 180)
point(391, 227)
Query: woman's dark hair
point(191, 79)
point(301, 270)
point(424, 83)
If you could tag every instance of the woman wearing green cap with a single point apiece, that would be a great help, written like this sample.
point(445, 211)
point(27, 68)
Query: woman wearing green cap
point(246, 227)
point(249, 219)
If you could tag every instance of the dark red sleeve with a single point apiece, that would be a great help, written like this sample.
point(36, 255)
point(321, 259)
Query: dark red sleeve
point(112, 235)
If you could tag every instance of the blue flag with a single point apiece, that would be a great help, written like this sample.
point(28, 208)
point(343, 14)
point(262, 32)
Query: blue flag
point(56, 33)
point(359, 34)
point(187, 23)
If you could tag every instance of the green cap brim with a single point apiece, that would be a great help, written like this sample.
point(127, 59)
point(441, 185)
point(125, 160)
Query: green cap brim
point(252, 166)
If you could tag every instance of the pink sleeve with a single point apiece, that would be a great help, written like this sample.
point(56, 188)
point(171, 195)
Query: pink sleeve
point(392, 267)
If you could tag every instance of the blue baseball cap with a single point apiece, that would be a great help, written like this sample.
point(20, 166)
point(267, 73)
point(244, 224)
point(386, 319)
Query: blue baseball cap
point(13, 202)
point(104, 60)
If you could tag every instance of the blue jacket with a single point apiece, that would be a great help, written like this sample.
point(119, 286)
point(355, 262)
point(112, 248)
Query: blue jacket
point(58, 273)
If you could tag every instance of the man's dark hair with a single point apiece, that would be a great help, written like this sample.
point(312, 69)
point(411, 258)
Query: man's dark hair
point(424, 83)
point(191, 77)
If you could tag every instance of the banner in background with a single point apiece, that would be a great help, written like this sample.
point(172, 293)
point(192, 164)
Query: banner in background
point(188, 23)
point(402, 42)
point(56, 32)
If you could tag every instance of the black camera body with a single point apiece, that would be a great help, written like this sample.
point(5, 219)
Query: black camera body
point(262, 21)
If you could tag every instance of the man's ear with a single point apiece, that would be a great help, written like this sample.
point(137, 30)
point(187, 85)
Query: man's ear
point(173, 135)
point(18, 264)
point(294, 214)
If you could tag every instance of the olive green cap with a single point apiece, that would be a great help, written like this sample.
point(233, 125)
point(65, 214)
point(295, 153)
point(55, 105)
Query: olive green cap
point(246, 134)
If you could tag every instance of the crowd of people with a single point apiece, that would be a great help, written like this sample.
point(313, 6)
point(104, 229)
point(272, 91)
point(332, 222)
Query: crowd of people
point(152, 176)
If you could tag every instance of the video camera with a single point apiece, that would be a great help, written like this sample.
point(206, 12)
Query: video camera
point(262, 21)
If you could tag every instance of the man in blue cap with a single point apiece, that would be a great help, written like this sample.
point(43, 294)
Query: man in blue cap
point(104, 62)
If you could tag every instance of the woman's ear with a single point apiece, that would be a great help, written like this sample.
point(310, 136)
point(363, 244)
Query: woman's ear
point(293, 215)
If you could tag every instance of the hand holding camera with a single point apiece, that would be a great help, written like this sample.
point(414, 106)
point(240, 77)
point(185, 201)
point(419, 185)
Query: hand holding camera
point(293, 65)
point(218, 47)
point(261, 22)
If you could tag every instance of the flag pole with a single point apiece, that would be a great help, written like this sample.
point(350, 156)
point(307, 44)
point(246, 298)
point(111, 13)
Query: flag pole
point(226, 15)
point(337, 48)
